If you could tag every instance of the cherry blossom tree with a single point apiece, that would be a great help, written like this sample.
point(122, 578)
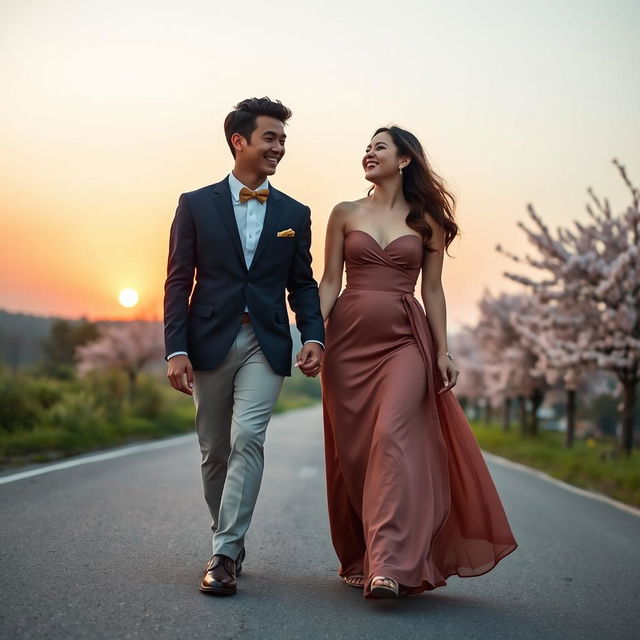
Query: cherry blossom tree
point(552, 332)
point(129, 346)
point(590, 280)
point(510, 364)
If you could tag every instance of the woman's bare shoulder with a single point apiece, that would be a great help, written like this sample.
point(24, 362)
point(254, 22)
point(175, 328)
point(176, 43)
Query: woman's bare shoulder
point(348, 208)
point(350, 205)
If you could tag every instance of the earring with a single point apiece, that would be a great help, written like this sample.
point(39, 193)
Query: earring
point(400, 170)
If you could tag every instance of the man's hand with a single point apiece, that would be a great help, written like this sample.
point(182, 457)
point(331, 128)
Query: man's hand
point(310, 359)
point(180, 374)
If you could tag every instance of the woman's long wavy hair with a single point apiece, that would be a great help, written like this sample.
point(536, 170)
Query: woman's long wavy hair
point(423, 189)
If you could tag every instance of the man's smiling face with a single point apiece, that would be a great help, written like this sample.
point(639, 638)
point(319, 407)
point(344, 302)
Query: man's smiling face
point(262, 153)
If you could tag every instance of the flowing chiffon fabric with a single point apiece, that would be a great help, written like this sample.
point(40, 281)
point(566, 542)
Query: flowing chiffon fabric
point(409, 494)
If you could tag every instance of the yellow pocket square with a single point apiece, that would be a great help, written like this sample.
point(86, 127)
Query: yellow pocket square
point(286, 233)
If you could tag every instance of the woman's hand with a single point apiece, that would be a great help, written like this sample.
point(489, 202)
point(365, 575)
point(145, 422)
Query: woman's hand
point(309, 359)
point(448, 371)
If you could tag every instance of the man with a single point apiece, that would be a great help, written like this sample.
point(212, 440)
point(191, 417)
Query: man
point(228, 342)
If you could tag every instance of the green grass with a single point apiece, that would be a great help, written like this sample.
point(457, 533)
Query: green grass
point(588, 464)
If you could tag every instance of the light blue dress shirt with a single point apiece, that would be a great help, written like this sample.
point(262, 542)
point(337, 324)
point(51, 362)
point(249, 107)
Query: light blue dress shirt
point(249, 218)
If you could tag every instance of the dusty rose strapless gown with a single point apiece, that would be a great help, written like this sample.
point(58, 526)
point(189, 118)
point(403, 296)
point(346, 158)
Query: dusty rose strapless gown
point(410, 496)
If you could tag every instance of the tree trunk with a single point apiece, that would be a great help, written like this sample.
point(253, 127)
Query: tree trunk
point(133, 377)
point(487, 411)
point(536, 400)
point(571, 417)
point(522, 407)
point(506, 416)
point(628, 410)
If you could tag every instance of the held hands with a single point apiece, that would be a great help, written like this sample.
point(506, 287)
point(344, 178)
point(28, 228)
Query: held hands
point(180, 374)
point(448, 371)
point(309, 359)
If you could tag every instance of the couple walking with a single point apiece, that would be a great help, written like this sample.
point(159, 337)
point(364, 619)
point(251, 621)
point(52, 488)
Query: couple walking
point(411, 501)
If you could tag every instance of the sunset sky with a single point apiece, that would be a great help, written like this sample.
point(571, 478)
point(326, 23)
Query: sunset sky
point(111, 110)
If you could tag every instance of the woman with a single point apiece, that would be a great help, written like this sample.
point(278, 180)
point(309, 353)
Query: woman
point(410, 498)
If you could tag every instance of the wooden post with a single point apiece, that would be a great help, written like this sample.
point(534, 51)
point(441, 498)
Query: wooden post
point(506, 416)
point(571, 417)
point(628, 408)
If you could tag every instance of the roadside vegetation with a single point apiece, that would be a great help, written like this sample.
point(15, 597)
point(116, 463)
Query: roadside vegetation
point(96, 386)
point(596, 465)
point(44, 418)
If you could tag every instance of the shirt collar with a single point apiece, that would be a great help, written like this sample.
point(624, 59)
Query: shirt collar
point(235, 185)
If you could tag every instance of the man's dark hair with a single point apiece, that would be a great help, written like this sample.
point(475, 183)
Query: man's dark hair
point(242, 119)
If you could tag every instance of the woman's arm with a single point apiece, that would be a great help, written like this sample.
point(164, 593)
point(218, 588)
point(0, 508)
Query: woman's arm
point(435, 304)
point(331, 282)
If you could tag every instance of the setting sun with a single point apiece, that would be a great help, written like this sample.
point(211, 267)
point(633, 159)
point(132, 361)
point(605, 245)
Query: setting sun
point(128, 298)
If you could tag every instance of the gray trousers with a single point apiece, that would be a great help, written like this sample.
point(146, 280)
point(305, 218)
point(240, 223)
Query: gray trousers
point(234, 403)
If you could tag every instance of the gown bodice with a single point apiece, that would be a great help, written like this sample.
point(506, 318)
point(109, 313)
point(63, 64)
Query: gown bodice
point(392, 268)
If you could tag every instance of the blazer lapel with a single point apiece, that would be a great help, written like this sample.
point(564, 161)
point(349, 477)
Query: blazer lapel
point(271, 217)
point(222, 204)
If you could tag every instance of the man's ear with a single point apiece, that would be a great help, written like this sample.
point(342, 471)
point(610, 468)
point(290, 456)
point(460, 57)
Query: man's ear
point(238, 142)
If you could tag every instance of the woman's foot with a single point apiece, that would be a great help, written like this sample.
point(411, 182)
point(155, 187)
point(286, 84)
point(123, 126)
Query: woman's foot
point(383, 587)
point(354, 581)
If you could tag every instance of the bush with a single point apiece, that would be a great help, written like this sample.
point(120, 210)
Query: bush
point(110, 390)
point(149, 399)
point(76, 412)
point(20, 399)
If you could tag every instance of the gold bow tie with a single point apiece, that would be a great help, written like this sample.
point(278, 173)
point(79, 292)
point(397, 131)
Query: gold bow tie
point(261, 195)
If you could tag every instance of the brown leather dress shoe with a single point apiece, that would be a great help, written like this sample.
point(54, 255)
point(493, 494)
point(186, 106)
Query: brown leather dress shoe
point(219, 577)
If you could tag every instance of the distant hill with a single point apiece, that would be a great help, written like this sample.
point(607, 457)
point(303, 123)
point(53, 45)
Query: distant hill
point(21, 336)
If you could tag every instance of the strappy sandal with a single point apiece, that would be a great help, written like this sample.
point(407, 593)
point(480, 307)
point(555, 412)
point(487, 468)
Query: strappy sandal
point(354, 581)
point(386, 587)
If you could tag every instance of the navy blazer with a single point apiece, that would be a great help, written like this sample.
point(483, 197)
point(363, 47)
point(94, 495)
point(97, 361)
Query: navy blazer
point(205, 243)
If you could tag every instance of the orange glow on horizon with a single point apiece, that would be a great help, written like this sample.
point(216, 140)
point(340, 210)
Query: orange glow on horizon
point(106, 121)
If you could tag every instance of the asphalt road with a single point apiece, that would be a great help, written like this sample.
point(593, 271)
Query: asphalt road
point(115, 549)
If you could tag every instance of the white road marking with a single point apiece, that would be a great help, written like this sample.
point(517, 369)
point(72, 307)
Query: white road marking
point(98, 457)
point(559, 483)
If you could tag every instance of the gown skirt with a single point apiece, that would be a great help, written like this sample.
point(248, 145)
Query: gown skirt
point(409, 494)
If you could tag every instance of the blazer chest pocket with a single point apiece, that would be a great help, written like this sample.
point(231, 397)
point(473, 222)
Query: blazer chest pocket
point(201, 310)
